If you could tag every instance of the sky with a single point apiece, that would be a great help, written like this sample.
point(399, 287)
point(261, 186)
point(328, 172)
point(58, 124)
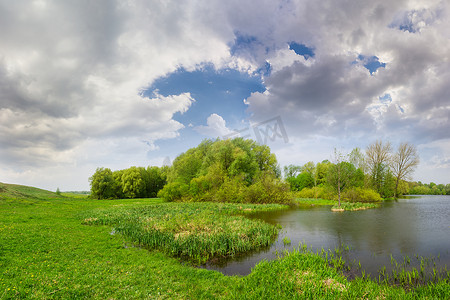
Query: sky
point(88, 84)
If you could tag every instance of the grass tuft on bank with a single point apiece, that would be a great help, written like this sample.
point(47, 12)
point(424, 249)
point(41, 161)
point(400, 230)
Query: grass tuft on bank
point(198, 231)
point(353, 206)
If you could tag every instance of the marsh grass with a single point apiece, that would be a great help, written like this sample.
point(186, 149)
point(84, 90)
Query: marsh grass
point(414, 272)
point(305, 274)
point(197, 231)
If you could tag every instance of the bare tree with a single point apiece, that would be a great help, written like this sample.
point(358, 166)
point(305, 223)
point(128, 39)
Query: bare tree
point(378, 155)
point(403, 163)
point(356, 157)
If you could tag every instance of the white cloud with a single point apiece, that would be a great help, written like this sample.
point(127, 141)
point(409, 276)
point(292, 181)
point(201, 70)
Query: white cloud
point(72, 73)
point(216, 127)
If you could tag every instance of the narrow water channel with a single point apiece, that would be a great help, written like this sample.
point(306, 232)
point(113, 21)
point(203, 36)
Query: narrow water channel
point(415, 226)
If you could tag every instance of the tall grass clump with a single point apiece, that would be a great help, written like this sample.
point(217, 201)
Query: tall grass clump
point(198, 231)
point(304, 274)
point(352, 206)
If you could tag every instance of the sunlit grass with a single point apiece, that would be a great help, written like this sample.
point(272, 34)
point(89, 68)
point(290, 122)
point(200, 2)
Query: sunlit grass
point(46, 253)
point(198, 231)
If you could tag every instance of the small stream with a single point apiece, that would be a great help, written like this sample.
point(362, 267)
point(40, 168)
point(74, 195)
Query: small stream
point(414, 226)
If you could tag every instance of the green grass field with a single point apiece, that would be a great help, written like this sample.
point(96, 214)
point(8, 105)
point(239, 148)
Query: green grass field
point(48, 252)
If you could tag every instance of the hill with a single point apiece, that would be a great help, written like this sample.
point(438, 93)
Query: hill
point(15, 191)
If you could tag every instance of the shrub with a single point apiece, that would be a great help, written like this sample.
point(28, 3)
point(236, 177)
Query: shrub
point(174, 191)
point(268, 189)
point(358, 194)
point(322, 192)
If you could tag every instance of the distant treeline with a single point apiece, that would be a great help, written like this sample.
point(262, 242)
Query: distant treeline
point(134, 182)
point(242, 171)
point(378, 172)
point(419, 188)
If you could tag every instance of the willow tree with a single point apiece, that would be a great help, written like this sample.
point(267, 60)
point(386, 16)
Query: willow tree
point(403, 163)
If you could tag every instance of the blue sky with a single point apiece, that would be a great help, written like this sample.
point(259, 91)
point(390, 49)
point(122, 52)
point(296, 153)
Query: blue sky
point(120, 85)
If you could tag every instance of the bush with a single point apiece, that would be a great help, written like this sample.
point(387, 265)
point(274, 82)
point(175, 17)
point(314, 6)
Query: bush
point(174, 191)
point(360, 195)
point(232, 190)
point(322, 192)
point(268, 189)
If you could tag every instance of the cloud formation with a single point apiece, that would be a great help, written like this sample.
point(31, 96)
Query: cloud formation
point(73, 74)
point(215, 128)
point(75, 71)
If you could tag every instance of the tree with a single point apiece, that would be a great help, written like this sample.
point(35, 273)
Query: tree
point(311, 168)
point(102, 184)
point(155, 179)
point(378, 156)
point(403, 163)
point(133, 184)
point(340, 173)
point(356, 157)
point(235, 170)
point(322, 171)
point(291, 171)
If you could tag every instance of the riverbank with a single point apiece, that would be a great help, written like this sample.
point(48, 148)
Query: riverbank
point(47, 252)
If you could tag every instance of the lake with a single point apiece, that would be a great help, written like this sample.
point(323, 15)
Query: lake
point(414, 226)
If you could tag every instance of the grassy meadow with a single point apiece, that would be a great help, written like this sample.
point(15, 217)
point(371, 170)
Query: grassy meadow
point(62, 247)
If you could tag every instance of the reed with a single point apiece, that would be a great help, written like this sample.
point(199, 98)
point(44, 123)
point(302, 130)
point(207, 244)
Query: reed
point(197, 231)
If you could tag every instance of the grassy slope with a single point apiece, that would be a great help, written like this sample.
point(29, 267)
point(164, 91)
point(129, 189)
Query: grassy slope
point(45, 252)
point(14, 192)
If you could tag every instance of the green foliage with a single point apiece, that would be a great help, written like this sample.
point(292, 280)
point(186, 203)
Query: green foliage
point(291, 171)
point(323, 192)
point(174, 191)
point(358, 194)
point(133, 182)
point(268, 189)
point(103, 185)
point(419, 188)
point(301, 181)
point(386, 188)
point(237, 171)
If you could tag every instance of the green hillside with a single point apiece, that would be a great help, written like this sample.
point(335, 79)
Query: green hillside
point(14, 191)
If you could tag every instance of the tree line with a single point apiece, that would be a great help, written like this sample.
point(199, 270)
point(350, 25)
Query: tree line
point(240, 170)
point(134, 182)
point(419, 188)
point(236, 170)
point(378, 172)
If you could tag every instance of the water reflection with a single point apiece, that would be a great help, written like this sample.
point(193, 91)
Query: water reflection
point(414, 226)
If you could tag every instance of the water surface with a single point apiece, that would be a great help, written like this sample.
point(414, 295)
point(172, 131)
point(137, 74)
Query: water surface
point(416, 226)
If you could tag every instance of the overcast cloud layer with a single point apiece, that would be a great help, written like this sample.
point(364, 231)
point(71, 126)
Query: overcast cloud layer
point(73, 76)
